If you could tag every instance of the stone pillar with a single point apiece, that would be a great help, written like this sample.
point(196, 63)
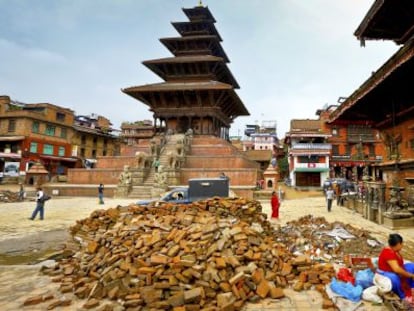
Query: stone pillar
point(375, 202)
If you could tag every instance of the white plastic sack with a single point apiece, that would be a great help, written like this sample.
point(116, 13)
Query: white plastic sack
point(371, 294)
point(383, 283)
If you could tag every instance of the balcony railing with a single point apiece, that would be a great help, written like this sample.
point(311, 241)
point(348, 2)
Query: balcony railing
point(355, 138)
point(311, 146)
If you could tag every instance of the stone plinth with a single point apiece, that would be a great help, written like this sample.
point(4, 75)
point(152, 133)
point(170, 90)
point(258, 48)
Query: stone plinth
point(122, 191)
point(174, 176)
point(398, 223)
point(157, 192)
point(138, 175)
point(375, 201)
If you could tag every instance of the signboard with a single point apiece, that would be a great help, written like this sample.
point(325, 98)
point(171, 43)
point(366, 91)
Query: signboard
point(11, 168)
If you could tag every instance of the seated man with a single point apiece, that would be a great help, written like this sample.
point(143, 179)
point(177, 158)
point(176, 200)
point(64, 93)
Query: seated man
point(180, 196)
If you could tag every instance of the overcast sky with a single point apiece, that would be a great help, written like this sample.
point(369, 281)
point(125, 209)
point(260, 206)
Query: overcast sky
point(290, 57)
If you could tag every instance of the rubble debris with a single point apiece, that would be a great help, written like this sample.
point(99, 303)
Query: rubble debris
point(209, 255)
point(327, 242)
point(9, 196)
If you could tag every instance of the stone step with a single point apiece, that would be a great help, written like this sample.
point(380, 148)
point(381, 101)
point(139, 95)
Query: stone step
point(140, 192)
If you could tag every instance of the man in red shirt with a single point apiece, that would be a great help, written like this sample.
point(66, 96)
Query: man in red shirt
point(391, 264)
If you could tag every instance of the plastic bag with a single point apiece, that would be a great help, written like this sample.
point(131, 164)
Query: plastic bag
point(371, 294)
point(345, 275)
point(383, 283)
point(364, 278)
point(346, 290)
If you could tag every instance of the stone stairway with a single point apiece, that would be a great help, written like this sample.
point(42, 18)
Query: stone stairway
point(143, 191)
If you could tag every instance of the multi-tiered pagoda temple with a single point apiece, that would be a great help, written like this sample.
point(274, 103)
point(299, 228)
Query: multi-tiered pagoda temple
point(199, 89)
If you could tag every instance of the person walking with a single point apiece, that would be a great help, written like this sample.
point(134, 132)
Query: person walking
point(100, 193)
point(40, 204)
point(274, 202)
point(330, 194)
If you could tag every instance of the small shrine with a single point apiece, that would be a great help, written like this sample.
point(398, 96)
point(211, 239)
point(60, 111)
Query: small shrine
point(271, 177)
point(37, 174)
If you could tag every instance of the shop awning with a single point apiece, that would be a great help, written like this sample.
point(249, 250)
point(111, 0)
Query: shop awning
point(10, 155)
point(311, 169)
point(55, 158)
point(11, 138)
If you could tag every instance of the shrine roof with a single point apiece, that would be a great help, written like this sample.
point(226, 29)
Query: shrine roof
point(199, 13)
point(233, 104)
point(389, 86)
point(184, 59)
point(201, 26)
point(156, 65)
point(172, 44)
point(179, 86)
point(388, 20)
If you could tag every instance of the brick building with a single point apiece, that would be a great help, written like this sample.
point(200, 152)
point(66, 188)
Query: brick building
point(308, 153)
point(356, 145)
point(133, 133)
point(93, 137)
point(52, 136)
point(386, 98)
point(32, 133)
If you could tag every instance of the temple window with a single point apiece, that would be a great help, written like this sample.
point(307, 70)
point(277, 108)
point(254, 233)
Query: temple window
point(50, 130)
point(60, 117)
point(63, 133)
point(35, 127)
point(33, 147)
point(61, 151)
point(12, 125)
point(48, 149)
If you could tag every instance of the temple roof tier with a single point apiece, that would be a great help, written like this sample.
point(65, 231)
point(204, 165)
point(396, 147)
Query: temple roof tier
point(388, 20)
point(191, 68)
point(195, 45)
point(198, 28)
point(194, 112)
point(386, 95)
point(190, 94)
point(199, 13)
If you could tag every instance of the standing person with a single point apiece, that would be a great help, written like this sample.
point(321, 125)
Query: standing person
point(391, 264)
point(21, 192)
point(274, 202)
point(100, 193)
point(330, 194)
point(156, 164)
point(40, 204)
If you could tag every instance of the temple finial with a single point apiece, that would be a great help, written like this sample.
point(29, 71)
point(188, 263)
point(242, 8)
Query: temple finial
point(200, 3)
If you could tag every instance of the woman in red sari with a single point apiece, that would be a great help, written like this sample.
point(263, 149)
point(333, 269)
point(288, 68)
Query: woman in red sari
point(391, 264)
point(275, 205)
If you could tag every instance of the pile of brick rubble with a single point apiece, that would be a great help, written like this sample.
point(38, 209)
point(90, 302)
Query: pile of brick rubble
point(210, 255)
